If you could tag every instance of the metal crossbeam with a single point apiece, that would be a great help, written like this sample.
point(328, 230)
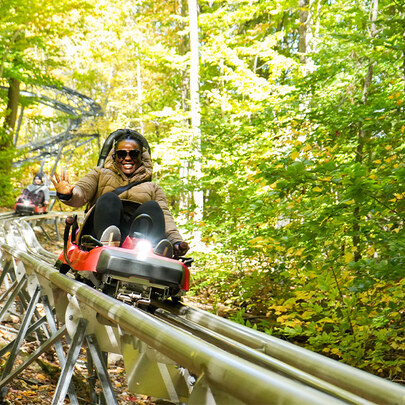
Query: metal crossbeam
point(58, 345)
point(22, 332)
point(42, 349)
point(100, 365)
point(16, 289)
point(67, 370)
point(33, 328)
point(62, 99)
point(54, 146)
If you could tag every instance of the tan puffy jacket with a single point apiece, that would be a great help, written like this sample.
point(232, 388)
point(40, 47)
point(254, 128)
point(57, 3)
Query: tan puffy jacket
point(101, 180)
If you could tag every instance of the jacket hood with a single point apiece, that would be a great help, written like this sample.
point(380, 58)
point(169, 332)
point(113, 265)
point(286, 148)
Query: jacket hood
point(39, 176)
point(143, 172)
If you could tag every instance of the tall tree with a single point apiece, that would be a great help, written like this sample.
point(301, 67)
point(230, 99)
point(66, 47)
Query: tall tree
point(195, 113)
point(27, 53)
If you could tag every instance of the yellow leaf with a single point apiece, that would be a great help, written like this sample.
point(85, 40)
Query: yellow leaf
point(258, 239)
point(373, 177)
point(303, 295)
point(317, 189)
point(299, 252)
point(371, 251)
point(307, 315)
point(399, 102)
point(397, 94)
point(349, 257)
point(280, 308)
point(307, 148)
point(378, 161)
point(397, 346)
point(295, 322)
point(295, 155)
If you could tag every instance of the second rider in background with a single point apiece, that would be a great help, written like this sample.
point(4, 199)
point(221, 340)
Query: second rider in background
point(37, 192)
point(115, 216)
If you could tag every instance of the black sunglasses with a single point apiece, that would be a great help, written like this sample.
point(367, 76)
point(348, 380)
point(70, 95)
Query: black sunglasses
point(133, 154)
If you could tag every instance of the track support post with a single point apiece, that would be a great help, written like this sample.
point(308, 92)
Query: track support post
point(67, 370)
point(58, 345)
point(99, 360)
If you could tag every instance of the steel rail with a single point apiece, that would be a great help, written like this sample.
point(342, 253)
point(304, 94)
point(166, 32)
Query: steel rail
point(349, 378)
point(227, 372)
point(231, 345)
point(6, 215)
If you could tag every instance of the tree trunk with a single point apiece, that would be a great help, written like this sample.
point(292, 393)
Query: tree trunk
point(12, 106)
point(309, 18)
point(302, 44)
point(363, 135)
point(183, 49)
point(6, 141)
point(403, 64)
point(185, 197)
point(195, 112)
point(140, 93)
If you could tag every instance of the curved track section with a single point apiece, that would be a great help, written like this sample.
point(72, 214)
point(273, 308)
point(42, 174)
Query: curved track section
point(165, 346)
point(77, 108)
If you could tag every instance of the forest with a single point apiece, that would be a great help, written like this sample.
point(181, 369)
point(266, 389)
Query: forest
point(277, 131)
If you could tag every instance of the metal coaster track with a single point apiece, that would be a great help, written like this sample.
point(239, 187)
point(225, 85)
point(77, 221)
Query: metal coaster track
point(75, 105)
point(163, 345)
